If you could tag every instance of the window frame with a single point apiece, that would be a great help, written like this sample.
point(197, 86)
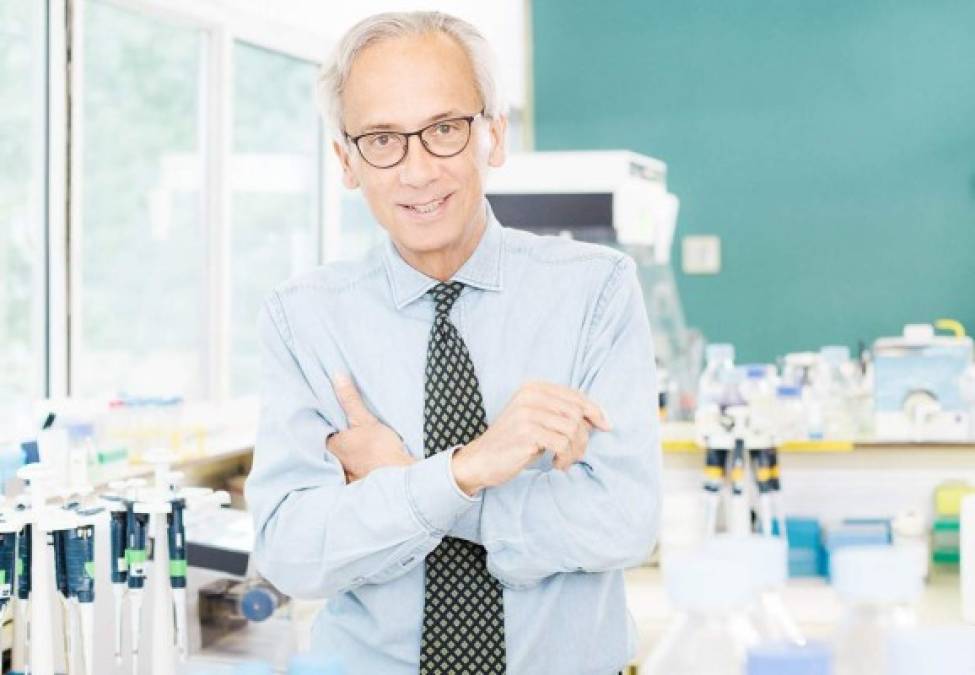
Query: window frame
point(222, 27)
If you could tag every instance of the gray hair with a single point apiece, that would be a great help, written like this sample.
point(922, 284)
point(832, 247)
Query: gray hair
point(373, 29)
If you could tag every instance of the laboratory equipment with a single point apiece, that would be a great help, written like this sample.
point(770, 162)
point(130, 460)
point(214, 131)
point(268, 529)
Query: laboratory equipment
point(786, 658)
point(620, 199)
point(835, 388)
point(137, 533)
point(176, 533)
point(41, 586)
point(918, 378)
point(118, 565)
point(879, 587)
point(944, 650)
point(710, 633)
point(967, 558)
point(739, 509)
point(8, 560)
point(715, 427)
point(761, 437)
point(766, 559)
point(227, 605)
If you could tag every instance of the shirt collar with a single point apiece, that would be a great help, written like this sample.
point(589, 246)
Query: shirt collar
point(481, 270)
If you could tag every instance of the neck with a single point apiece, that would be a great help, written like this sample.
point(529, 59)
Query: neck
point(442, 264)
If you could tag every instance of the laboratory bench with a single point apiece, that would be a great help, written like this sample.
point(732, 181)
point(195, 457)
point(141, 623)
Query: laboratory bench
point(813, 604)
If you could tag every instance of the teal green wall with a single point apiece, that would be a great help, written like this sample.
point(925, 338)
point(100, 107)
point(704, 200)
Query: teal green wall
point(829, 143)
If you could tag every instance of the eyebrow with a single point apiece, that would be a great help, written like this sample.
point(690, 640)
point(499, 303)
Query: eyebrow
point(453, 112)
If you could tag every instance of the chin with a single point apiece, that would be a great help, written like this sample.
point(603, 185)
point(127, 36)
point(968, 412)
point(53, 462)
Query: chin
point(426, 239)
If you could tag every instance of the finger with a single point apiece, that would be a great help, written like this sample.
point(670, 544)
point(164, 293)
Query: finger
point(580, 441)
point(590, 410)
point(557, 443)
point(350, 400)
point(553, 421)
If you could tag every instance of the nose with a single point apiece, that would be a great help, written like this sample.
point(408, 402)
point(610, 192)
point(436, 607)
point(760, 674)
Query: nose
point(419, 168)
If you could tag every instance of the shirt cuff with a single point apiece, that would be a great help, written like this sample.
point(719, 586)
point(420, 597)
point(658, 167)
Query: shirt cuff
point(433, 492)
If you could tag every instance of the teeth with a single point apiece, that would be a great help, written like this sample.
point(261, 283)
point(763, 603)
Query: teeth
point(427, 208)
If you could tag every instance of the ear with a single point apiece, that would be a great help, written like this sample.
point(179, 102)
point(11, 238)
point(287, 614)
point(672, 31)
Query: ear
point(498, 134)
point(349, 179)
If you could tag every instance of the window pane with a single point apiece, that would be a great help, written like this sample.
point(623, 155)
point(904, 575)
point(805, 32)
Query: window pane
point(23, 83)
point(275, 176)
point(143, 267)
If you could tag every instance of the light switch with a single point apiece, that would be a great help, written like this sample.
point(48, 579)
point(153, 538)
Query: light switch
point(701, 254)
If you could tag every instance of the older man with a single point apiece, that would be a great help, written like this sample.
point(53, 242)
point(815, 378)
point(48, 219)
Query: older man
point(488, 397)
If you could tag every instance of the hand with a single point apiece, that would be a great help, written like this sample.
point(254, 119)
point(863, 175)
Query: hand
point(540, 416)
point(368, 443)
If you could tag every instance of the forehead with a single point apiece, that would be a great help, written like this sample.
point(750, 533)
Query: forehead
point(405, 81)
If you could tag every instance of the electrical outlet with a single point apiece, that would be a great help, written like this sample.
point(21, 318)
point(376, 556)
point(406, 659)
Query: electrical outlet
point(701, 254)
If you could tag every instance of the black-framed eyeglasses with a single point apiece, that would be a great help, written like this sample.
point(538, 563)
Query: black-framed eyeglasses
point(444, 138)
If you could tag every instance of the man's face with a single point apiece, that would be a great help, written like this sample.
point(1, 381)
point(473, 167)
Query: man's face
point(404, 84)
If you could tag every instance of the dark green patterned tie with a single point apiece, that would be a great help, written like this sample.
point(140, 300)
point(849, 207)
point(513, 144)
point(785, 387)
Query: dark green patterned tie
point(463, 609)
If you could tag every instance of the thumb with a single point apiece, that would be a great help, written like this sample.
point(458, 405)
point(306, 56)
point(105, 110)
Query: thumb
point(350, 400)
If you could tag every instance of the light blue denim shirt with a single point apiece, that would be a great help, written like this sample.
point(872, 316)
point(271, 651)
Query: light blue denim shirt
point(533, 307)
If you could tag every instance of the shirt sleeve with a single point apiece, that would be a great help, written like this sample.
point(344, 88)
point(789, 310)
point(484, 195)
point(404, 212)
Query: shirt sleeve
point(317, 536)
point(603, 512)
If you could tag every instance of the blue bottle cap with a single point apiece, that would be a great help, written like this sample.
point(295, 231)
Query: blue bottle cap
point(258, 604)
point(790, 659)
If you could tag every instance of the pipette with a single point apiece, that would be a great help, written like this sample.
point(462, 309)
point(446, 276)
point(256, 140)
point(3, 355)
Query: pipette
point(8, 561)
point(137, 526)
point(763, 479)
point(176, 531)
point(80, 567)
point(23, 581)
point(118, 516)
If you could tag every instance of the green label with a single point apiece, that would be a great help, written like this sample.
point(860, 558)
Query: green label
point(134, 556)
point(3, 577)
point(177, 568)
point(90, 569)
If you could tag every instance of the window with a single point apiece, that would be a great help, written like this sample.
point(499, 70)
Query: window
point(141, 277)
point(276, 181)
point(23, 301)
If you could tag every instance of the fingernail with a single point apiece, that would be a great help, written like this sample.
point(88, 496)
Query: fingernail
point(341, 379)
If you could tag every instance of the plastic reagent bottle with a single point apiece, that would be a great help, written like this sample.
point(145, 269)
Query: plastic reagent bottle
point(710, 633)
point(879, 587)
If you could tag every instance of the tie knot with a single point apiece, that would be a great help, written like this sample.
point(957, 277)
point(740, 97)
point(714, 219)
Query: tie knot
point(444, 296)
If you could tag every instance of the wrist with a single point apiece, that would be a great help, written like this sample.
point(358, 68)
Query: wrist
point(464, 468)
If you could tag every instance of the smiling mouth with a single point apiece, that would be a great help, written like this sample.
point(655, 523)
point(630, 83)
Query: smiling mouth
point(427, 207)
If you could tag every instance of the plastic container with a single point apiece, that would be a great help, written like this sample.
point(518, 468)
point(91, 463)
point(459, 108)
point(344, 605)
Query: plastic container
point(791, 420)
point(945, 650)
point(717, 389)
point(767, 559)
point(758, 389)
point(710, 633)
point(879, 587)
point(967, 558)
point(835, 389)
point(790, 659)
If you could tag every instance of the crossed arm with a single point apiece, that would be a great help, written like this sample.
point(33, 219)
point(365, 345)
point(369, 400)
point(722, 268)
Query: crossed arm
point(366, 511)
